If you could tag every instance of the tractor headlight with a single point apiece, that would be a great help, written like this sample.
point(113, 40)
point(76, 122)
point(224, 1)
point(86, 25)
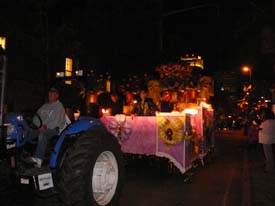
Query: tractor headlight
point(19, 118)
point(10, 129)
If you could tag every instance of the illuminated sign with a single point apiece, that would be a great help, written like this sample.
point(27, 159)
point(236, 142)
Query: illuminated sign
point(193, 61)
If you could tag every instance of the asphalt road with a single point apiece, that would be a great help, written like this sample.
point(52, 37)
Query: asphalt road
point(220, 182)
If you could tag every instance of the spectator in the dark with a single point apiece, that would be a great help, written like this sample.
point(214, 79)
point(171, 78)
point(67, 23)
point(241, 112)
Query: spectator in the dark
point(145, 106)
point(245, 126)
point(83, 103)
point(253, 135)
point(103, 99)
point(116, 104)
point(267, 137)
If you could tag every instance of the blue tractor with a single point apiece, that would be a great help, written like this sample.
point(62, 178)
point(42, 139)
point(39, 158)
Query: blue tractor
point(84, 163)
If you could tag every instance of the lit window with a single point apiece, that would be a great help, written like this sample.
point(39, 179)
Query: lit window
point(59, 74)
point(79, 73)
point(3, 42)
point(68, 69)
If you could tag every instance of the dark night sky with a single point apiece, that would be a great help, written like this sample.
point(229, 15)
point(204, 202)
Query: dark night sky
point(119, 35)
point(123, 37)
point(197, 29)
point(214, 34)
point(203, 30)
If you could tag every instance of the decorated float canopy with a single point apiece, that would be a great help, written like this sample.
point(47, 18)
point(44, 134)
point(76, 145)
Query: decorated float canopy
point(181, 137)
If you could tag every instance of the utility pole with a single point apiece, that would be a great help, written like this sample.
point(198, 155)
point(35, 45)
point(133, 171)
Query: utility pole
point(3, 64)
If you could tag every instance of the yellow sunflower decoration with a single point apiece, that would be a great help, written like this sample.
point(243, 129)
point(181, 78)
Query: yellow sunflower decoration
point(171, 131)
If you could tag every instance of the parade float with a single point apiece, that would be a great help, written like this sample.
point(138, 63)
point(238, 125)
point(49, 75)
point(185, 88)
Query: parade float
point(182, 135)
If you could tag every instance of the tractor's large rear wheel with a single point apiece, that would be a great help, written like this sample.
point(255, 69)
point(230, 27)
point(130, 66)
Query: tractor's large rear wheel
point(92, 172)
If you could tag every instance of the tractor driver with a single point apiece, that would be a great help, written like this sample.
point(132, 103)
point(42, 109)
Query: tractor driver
point(53, 118)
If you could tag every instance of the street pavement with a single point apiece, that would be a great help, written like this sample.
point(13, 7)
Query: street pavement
point(258, 187)
point(262, 184)
point(233, 176)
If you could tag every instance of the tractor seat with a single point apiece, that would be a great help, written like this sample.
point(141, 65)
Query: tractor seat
point(67, 123)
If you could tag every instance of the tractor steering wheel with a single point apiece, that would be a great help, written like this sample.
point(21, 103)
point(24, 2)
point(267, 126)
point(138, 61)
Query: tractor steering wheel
point(34, 121)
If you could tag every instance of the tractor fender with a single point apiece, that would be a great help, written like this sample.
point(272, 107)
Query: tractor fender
point(73, 131)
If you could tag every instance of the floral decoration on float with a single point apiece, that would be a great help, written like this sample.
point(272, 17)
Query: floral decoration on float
point(120, 128)
point(175, 76)
point(171, 131)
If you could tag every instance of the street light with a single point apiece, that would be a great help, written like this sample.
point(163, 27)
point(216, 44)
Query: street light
point(247, 69)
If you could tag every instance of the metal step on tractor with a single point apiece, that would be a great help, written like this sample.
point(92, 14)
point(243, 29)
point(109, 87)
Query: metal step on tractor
point(84, 163)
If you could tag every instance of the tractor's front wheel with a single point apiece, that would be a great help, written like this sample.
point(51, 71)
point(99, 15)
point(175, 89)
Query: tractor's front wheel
point(93, 170)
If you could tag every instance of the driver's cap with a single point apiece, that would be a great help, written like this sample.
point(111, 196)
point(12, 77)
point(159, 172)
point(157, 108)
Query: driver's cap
point(52, 89)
